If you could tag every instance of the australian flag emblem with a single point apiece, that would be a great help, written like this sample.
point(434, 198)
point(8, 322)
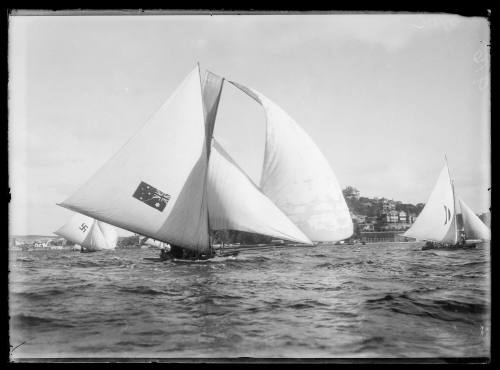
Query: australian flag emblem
point(151, 196)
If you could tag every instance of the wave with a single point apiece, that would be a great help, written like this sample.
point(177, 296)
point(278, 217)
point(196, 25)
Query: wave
point(86, 264)
point(130, 343)
point(303, 305)
point(461, 307)
point(25, 259)
point(471, 264)
point(372, 343)
point(343, 264)
point(257, 259)
point(317, 255)
point(42, 294)
point(27, 321)
point(142, 290)
point(446, 310)
point(325, 265)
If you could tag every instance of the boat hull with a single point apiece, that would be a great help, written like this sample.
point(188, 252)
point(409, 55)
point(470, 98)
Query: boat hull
point(448, 247)
point(171, 258)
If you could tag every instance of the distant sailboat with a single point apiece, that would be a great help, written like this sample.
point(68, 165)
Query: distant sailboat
point(90, 234)
point(437, 222)
point(173, 182)
point(475, 230)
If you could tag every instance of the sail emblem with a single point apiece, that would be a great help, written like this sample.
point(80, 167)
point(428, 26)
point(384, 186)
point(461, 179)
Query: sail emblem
point(151, 196)
point(447, 215)
point(83, 227)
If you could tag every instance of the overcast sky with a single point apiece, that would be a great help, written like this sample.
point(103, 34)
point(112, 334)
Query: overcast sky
point(385, 97)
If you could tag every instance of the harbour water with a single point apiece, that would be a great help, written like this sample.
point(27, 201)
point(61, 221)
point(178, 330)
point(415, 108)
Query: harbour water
point(374, 300)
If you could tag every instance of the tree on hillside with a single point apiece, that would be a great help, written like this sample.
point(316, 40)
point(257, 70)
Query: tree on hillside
point(350, 192)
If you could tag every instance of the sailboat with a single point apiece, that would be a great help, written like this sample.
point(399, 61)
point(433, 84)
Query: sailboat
point(90, 234)
point(175, 183)
point(437, 222)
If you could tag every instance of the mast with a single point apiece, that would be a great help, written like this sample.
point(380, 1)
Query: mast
point(454, 210)
point(454, 201)
point(211, 88)
point(208, 140)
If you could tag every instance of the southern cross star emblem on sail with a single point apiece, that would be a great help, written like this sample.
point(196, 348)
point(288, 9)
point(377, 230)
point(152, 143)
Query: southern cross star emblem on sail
point(151, 196)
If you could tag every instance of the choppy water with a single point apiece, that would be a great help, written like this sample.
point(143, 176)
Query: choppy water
point(391, 300)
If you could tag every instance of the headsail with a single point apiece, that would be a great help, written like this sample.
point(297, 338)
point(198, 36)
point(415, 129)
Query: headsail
point(154, 185)
point(437, 221)
point(474, 227)
point(235, 202)
point(89, 233)
point(298, 179)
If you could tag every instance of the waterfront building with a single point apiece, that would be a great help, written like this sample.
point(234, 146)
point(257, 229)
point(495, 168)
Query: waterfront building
point(402, 217)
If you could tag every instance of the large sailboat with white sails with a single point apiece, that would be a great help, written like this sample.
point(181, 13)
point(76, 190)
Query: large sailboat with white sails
point(173, 181)
point(437, 222)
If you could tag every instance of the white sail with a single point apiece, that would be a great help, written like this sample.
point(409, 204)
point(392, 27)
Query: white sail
point(89, 233)
point(474, 227)
point(235, 202)
point(108, 232)
point(153, 243)
point(212, 89)
point(76, 229)
point(154, 185)
point(298, 179)
point(437, 221)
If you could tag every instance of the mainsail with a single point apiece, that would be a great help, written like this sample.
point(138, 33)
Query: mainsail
point(154, 185)
point(298, 179)
point(437, 221)
point(235, 202)
point(89, 233)
point(474, 228)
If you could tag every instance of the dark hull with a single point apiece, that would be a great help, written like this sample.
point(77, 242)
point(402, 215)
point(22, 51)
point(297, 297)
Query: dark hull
point(449, 248)
point(171, 258)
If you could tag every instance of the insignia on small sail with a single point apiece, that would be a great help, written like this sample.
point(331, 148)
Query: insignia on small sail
point(447, 214)
point(207, 190)
point(151, 196)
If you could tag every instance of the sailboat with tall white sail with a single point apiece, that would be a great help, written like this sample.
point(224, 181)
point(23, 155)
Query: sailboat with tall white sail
point(173, 182)
point(90, 234)
point(437, 222)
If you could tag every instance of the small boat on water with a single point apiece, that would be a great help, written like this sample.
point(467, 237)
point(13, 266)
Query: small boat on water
point(91, 235)
point(437, 223)
point(174, 183)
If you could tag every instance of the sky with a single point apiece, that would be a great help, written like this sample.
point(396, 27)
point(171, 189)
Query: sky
point(384, 96)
